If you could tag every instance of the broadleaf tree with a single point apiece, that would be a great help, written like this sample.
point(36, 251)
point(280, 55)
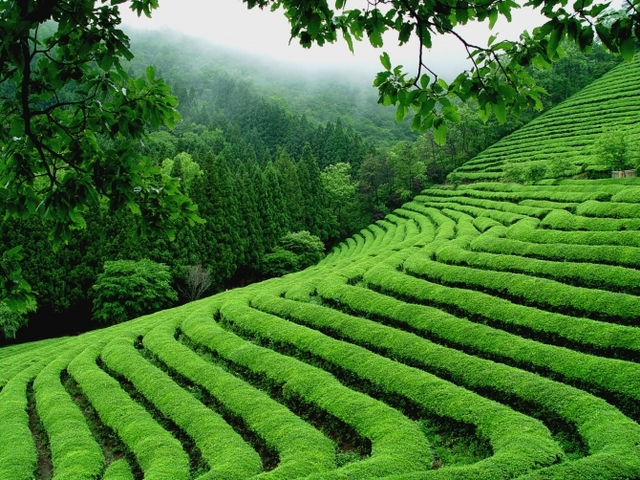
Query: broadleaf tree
point(71, 123)
point(497, 79)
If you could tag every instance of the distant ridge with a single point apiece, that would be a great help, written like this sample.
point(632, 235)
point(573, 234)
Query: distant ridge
point(570, 129)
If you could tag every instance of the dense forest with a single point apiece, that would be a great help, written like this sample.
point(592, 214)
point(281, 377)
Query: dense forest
point(262, 154)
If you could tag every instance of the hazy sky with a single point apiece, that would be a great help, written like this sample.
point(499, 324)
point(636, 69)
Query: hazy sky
point(229, 22)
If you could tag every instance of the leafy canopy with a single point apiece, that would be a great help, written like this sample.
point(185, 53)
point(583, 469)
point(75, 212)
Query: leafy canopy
point(128, 289)
point(497, 80)
point(71, 122)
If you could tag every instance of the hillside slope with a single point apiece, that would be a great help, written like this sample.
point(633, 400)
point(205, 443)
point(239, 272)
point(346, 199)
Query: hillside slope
point(610, 105)
point(489, 332)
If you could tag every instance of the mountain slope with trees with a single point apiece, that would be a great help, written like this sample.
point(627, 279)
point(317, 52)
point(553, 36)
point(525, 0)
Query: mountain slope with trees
point(473, 333)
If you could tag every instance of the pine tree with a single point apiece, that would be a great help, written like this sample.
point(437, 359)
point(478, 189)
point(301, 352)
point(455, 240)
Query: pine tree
point(291, 190)
point(316, 215)
point(216, 198)
point(279, 221)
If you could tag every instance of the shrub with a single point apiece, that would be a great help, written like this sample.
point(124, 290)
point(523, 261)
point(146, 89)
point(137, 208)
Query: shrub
point(613, 151)
point(295, 251)
point(10, 321)
point(514, 172)
point(128, 289)
point(279, 262)
point(559, 166)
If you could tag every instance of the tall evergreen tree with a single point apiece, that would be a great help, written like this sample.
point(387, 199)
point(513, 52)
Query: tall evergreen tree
point(291, 190)
point(217, 240)
point(279, 215)
point(315, 214)
point(250, 231)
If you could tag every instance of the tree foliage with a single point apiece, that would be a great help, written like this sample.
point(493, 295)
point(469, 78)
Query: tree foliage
point(128, 289)
point(71, 121)
point(498, 79)
point(614, 151)
point(10, 321)
point(294, 251)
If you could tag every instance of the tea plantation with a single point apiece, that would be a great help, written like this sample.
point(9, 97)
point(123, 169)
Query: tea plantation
point(487, 332)
point(570, 131)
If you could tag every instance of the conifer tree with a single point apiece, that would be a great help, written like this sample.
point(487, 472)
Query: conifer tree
point(267, 222)
point(315, 212)
point(250, 231)
point(279, 222)
point(291, 189)
point(215, 196)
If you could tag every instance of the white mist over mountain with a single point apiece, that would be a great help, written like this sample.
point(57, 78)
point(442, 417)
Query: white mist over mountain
point(229, 23)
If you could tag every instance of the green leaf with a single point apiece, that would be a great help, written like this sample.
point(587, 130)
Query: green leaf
point(493, 18)
point(499, 108)
point(150, 73)
point(134, 207)
point(440, 132)
point(451, 114)
point(375, 38)
point(314, 25)
point(554, 40)
point(604, 33)
point(628, 49)
point(17, 127)
point(401, 112)
point(505, 9)
point(540, 63)
point(385, 60)
point(586, 38)
point(581, 4)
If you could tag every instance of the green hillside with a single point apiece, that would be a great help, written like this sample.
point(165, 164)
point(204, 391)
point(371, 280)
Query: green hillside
point(486, 332)
point(571, 130)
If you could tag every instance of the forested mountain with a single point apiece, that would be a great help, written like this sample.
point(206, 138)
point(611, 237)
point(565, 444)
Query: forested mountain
point(212, 81)
point(262, 153)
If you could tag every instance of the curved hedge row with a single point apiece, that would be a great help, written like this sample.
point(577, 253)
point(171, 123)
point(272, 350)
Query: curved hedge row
point(301, 449)
point(518, 442)
point(397, 444)
point(158, 453)
point(590, 275)
point(222, 449)
point(607, 254)
point(532, 291)
point(521, 388)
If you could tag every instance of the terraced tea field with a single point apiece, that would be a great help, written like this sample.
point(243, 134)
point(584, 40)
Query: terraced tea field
point(488, 332)
point(570, 130)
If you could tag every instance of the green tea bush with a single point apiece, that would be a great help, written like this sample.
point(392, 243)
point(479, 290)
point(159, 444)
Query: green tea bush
point(474, 373)
point(518, 441)
point(302, 450)
point(593, 208)
point(18, 455)
point(397, 443)
point(590, 275)
point(157, 452)
point(222, 449)
point(532, 291)
point(608, 254)
point(585, 334)
point(74, 451)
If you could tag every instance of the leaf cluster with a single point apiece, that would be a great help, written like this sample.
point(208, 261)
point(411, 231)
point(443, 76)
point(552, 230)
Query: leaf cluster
point(71, 119)
point(128, 289)
point(498, 78)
